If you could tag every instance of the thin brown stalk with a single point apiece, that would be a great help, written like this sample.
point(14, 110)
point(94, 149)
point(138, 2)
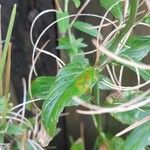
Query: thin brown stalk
point(1, 83)
point(97, 58)
point(31, 71)
point(119, 59)
point(7, 73)
point(58, 5)
point(80, 11)
point(24, 141)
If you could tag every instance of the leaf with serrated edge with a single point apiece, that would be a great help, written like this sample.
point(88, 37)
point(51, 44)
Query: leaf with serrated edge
point(73, 80)
point(130, 116)
point(138, 47)
point(86, 28)
point(41, 85)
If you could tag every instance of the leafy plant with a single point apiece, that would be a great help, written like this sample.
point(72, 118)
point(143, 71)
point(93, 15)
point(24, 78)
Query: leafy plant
point(5, 63)
point(76, 78)
point(79, 79)
point(14, 125)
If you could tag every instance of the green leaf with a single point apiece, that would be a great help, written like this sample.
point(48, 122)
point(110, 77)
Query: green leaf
point(64, 23)
point(8, 37)
point(76, 44)
point(116, 143)
point(74, 79)
point(77, 3)
point(130, 116)
point(117, 10)
point(15, 129)
point(139, 138)
point(78, 145)
point(41, 85)
point(145, 74)
point(138, 48)
point(86, 28)
point(64, 43)
point(1, 137)
point(147, 19)
point(86, 97)
point(2, 105)
point(28, 145)
point(71, 44)
point(101, 85)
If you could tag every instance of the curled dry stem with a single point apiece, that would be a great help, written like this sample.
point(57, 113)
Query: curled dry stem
point(133, 126)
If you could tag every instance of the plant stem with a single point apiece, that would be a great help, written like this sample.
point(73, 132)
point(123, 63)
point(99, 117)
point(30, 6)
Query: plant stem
point(1, 83)
point(125, 30)
point(7, 83)
point(113, 47)
point(6, 100)
point(8, 37)
point(131, 20)
point(97, 119)
point(58, 5)
point(66, 5)
point(97, 101)
point(7, 72)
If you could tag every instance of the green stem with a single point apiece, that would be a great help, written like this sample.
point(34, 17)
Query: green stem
point(58, 5)
point(113, 47)
point(125, 30)
point(1, 83)
point(7, 41)
point(97, 101)
point(66, 5)
point(6, 100)
point(130, 23)
point(98, 121)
